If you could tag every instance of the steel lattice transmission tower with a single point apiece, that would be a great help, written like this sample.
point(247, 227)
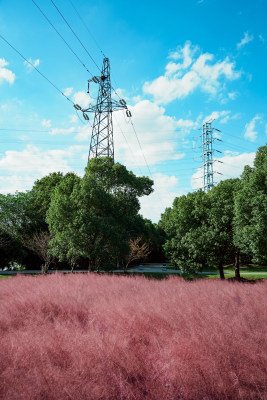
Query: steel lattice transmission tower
point(207, 155)
point(102, 143)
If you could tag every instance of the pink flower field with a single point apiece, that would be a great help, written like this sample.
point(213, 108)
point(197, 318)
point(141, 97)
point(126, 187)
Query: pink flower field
point(109, 337)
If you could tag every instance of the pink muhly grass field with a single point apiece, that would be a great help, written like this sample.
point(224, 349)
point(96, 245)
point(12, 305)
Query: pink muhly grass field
point(109, 337)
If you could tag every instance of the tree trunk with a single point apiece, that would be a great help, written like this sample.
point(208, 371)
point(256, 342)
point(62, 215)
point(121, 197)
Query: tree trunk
point(89, 266)
point(45, 268)
point(237, 265)
point(221, 271)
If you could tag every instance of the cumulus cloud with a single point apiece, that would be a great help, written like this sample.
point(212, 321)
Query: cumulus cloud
point(33, 64)
point(22, 168)
point(193, 72)
point(84, 133)
point(250, 129)
point(33, 159)
point(156, 131)
point(14, 182)
point(231, 165)
point(6, 75)
point(246, 39)
point(83, 99)
point(165, 190)
point(222, 116)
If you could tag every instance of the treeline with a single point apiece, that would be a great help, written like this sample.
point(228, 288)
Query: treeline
point(223, 226)
point(92, 222)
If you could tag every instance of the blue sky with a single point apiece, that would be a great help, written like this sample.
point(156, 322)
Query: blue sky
point(177, 64)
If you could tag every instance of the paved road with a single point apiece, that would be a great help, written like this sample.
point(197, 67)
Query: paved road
point(159, 268)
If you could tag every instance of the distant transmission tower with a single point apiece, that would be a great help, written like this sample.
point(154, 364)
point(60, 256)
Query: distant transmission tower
point(102, 143)
point(207, 155)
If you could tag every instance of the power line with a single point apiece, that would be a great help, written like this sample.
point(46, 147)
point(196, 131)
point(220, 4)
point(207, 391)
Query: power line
point(144, 158)
point(126, 140)
point(86, 27)
point(59, 34)
point(39, 72)
point(62, 16)
point(80, 40)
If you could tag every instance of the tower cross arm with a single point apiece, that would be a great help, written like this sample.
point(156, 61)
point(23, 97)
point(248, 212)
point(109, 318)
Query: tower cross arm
point(113, 106)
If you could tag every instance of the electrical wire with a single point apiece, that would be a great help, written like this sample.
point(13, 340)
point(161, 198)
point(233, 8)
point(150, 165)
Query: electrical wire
point(59, 34)
point(62, 16)
point(39, 72)
point(145, 158)
point(131, 152)
point(86, 27)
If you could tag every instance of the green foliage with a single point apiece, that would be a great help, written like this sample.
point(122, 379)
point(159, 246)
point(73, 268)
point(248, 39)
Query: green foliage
point(14, 215)
point(251, 210)
point(184, 227)
point(90, 217)
point(210, 230)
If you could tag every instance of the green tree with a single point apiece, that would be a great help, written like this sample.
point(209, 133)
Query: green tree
point(184, 225)
point(90, 217)
point(14, 214)
point(199, 229)
point(219, 226)
point(250, 224)
point(41, 194)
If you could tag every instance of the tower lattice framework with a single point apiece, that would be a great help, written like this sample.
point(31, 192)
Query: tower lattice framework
point(102, 142)
point(207, 155)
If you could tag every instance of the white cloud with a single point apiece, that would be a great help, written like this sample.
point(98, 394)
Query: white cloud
point(33, 159)
point(250, 131)
point(183, 78)
point(165, 190)
point(46, 123)
point(83, 99)
point(231, 165)
point(218, 115)
point(5, 73)
point(185, 54)
point(61, 131)
point(22, 168)
point(67, 92)
point(246, 39)
point(84, 133)
point(186, 124)
point(121, 93)
point(13, 183)
point(221, 116)
point(34, 64)
point(155, 131)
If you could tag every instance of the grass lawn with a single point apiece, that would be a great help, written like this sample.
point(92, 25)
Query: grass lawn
point(251, 271)
point(5, 276)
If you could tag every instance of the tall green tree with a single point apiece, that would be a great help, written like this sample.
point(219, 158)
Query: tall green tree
point(90, 217)
point(199, 229)
point(250, 220)
point(220, 228)
point(186, 245)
